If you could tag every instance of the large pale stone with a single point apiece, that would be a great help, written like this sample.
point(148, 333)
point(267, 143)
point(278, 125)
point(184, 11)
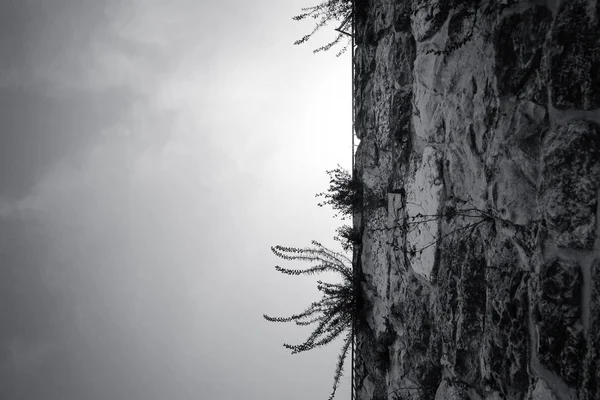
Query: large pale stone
point(542, 391)
point(423, 198)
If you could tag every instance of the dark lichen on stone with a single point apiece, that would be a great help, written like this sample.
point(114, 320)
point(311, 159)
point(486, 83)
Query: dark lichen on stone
point(561, 345)
point(519, 44)
point(574, 57)
point(590, 386)
point(506, 338)
point(430, 16)
point(570, 182)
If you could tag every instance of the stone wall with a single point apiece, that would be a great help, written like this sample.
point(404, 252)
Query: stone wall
point(479, 128)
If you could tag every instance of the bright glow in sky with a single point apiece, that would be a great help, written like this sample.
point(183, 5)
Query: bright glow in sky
point(152, 152)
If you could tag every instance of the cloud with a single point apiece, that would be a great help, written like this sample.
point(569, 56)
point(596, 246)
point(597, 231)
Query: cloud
point(157, 151)
point(22, 357)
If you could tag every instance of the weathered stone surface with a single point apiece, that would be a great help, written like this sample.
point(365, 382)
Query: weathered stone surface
point(370, 381)
point(401, 116)
point(506, 350)
point(403, 53)
point(590, 387)
point(428, 17)
point(403, 11)
point(401, 58)
point(570, 182)
point(423, 200)
point(461, 284)
point(428, 120)
point(464, 169)
point(558, 319)
point(509, 179)
point(505, 126)
point(518, 44)
point(417, 352)
point(542, 391)
point(574, 54)
point(471, 309)
point(461, 26)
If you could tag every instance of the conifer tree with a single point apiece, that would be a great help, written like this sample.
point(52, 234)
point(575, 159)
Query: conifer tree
point(334, 314)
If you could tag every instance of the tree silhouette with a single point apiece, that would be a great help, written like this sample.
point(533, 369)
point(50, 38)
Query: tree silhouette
point(334, 314)
point(345, 193)
point(324, 13)
point(348, 236)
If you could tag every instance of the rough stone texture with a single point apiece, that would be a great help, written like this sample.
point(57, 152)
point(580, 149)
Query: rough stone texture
point(570, 182)
point(428, 18)
point(558, 319)
point(574, 53)
point(519, 43)
point(462, 293)
point(512, 160)
point(542, 391)
point(424, 190)
point(479, 128)
point(505, 349)
point(590, 387)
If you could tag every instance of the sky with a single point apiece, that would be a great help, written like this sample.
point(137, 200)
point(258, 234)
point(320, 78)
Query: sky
point(151, 153)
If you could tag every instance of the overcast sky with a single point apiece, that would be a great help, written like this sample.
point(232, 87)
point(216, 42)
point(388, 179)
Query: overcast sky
point(151, 153)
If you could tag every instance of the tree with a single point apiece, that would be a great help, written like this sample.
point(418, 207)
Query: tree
point(345, 194)
point(339, 11)
point(334, 314)
point(348, 236)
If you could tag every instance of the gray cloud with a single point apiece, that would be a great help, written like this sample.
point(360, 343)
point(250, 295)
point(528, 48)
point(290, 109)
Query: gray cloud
point(152, 153)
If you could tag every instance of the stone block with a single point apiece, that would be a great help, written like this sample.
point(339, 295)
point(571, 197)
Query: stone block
point(561, 345)
point(569, 184)
point(574, 57)
point(519, 49)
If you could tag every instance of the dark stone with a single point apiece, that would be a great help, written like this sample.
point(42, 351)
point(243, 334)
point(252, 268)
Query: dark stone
point(561, 345)
point(530, 145)
point(446, 279)
point(595, 304)
point(383, 355)
point(590, 388)
point(462, 298)
point(506, 335)
point(572, 356)
point(366, 359)
point(365, 115)
point(421, 338)
point(574, 54)
point(519, 42)
point(460, 28)
point(560, 285)
point(401, 116)
point(361, 8)
point(402, 12)
point(569, 185)
point(431, 378)
point(403, 53)
point(432, 17)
